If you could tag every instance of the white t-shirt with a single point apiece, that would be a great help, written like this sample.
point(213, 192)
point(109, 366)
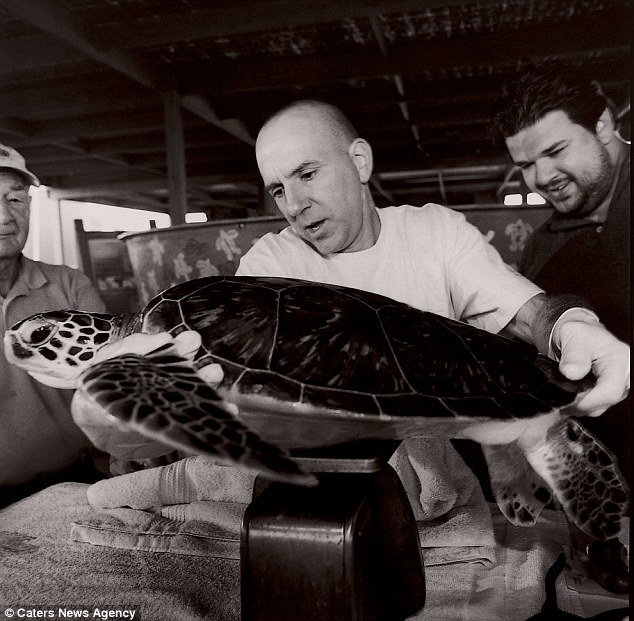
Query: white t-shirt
point(429, 257)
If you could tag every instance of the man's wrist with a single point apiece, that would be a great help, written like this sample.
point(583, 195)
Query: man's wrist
point(577, 313)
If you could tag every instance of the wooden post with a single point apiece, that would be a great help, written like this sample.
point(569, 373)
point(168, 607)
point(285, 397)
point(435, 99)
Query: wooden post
point(175, 146)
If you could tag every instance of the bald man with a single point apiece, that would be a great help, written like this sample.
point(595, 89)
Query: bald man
point(317, 168)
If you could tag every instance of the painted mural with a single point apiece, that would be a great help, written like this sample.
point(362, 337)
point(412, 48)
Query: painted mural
point(161, 258)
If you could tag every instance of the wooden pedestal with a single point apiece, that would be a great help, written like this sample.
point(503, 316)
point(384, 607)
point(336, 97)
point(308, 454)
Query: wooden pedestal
point(347, 550)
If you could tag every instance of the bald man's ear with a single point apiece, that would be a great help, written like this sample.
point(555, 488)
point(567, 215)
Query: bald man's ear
point(360, 153)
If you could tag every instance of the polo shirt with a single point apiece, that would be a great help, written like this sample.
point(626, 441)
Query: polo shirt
point(37, 433)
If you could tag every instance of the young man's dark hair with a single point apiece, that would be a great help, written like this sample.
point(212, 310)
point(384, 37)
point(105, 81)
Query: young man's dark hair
point(552, 85)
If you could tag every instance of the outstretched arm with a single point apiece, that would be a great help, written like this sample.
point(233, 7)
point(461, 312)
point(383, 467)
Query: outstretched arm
point(564, 328)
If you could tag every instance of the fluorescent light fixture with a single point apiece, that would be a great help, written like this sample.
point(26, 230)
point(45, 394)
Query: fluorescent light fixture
point(535, 199)
point(513, 199)
point(199, 216)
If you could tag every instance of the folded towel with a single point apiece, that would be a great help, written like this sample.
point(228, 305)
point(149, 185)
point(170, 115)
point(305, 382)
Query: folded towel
point(206, 528)
point(193, 506)
point(184, 481)
point(40, 565)
point(448, 504)
point(453, 519)
point(226, 515)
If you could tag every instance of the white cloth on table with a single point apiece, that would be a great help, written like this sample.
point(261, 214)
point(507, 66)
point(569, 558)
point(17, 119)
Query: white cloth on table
point(40, 564)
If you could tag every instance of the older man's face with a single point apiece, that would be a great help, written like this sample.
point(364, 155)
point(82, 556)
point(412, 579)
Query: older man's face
point(14, 213)
point(315, 183)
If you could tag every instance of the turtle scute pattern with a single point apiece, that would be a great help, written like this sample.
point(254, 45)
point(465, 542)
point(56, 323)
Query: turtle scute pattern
point(591, 490)
point(340, 348)
point(162, 397)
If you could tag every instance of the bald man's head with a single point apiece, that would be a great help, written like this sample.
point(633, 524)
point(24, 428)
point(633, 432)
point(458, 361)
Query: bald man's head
point(317, 115)
point(317, 168)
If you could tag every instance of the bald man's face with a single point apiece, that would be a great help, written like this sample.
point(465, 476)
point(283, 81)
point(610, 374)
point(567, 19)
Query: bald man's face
point(316, 182)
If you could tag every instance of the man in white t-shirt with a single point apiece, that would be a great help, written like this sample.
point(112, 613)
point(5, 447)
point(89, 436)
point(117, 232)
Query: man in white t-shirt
point(317, 168)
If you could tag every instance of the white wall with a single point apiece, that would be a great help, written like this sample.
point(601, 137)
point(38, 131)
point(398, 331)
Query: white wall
point(44, 242)
point(52, 236)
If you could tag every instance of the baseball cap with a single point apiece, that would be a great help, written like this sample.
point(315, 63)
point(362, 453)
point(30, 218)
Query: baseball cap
point(10, 158)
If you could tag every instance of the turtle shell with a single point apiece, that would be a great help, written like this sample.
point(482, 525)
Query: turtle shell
point(335, 348)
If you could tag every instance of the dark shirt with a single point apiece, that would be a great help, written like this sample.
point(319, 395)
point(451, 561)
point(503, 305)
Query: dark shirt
point(592, 260)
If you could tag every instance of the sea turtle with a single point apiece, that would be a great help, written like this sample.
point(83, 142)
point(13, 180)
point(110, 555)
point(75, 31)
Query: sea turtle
point(313, 365)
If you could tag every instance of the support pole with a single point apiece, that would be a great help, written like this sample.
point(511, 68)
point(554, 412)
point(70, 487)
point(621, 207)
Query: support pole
point(175, 147)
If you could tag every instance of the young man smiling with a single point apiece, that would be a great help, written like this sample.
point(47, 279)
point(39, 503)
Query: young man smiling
point(559, 129)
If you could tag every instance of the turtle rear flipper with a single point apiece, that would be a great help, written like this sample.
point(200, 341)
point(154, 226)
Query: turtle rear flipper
point(160, 396)
point(584, 477)
point(519, 491)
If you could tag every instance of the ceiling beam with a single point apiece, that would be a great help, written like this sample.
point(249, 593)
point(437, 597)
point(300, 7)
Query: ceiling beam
point(450, 188)
point(62, 166)
point(577, 36)
point(104, 125)
point(151, 143)
point(97, 92)
point(50, 17)
point(95, 185)
point(197, 154)
point(450, 174)
point(240, 17)
point(200, 106)
point(441, 92)
point(53, 19)
point(22, 54)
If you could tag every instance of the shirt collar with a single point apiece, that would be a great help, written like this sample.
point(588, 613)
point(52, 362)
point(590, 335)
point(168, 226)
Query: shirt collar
point(30, 277)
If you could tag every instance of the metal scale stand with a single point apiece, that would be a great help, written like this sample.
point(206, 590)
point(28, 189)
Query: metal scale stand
point(346, 550)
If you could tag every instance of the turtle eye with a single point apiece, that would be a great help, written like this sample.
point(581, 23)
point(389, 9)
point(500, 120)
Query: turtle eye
point(39, 335)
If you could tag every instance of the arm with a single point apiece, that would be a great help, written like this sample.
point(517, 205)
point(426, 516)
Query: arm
point(535, 320)
point(566, 329)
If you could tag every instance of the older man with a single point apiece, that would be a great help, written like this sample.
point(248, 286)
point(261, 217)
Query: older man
point(37, 434)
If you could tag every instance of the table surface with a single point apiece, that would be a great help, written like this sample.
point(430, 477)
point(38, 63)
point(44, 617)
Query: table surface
point(41, 566)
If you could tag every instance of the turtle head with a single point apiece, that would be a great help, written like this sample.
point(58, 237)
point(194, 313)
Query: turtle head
point(56, 347)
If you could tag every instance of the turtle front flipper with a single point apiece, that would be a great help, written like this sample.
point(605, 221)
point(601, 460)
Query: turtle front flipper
point(519, 491)
point(584, 477)
point(160, 396)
